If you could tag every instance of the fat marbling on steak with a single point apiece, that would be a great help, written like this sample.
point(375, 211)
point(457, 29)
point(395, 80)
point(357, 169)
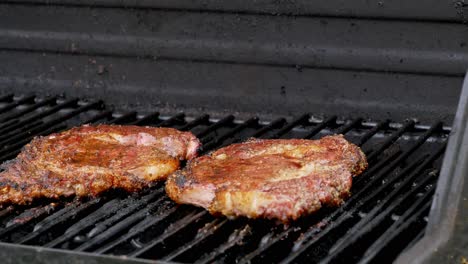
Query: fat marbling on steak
point(88, 160)
point(277, 179)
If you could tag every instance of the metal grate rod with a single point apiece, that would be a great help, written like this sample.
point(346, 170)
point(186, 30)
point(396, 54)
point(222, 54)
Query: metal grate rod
point(14, 104)
point(116, 207)
point(125, 118)
point(229, 134)
point(65, 214)
point(174, 119)
point(272, 125)
point(207, 231)
point(199, 120)
point(400, 226)
point(13, 149)
point(347, 127)
point(236, 238)
point(372, 132)
point(353, 233)
point(14, 125)
point(6, 98)
point(226, 120)
point(174, 228)
point(408, 125)
point(96, 118)
point(163, 212)
point(100, 239)
point(146, 119)
point(51, 123)
point(300, 120)
point(27, 216)
point(28, 109)
point(321, 126)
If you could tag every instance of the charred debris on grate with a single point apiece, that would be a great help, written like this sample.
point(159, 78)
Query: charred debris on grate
point(389, 204)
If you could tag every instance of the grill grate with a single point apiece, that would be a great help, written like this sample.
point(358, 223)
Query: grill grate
point(387, 212)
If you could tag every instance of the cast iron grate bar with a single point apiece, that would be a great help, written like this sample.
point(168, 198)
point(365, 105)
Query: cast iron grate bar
point(348, 127)
point(226, 120)
point(174, 228)
point(404, 155)
point(164, 211)
point(113, 231)
point(14, 104)
point(96, 118)
point(197, 121)
point(34, 118)
point(150, 118)
point(125, 118)
point(13, 150)
point(112, 211)
point(65, 214)
point(55, 121)
point(408, 125)
point(372, 132)
point(371, 225)
point(109, 208)
point(6, 98)
point(28, 215)
point(354, 233)
point(298, 121)
point(321, 126)
point(236, 238)
point(272, 125)
point(28, 109)
point(215, 142)
point(172, 120)
point(124, 212)
point(403, 224)
point(203, 234)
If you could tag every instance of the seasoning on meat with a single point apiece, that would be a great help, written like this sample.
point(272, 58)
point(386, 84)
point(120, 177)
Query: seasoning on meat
point(277, 179)
point(89, 160)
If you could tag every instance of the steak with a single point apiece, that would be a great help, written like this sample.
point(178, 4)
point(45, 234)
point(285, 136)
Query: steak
point(88, 160)
point(276, 179)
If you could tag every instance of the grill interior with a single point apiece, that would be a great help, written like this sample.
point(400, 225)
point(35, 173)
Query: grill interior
point(386, 213)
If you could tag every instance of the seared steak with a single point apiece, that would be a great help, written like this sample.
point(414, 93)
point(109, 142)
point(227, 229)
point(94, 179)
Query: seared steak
point(88, 160)
point(280, 179)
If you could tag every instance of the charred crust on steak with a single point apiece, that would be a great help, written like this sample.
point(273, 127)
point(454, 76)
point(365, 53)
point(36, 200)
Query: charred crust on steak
point(90, 160)
point(274, 179)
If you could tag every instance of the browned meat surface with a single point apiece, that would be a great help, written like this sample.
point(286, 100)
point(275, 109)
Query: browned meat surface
point(276, 179)
point(88, 160)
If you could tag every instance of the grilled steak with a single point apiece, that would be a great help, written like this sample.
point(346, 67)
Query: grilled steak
point(280, 179)
point(88, 160)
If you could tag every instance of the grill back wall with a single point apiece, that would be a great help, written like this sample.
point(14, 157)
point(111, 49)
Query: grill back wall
point(390, 60)
point(347, 62)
